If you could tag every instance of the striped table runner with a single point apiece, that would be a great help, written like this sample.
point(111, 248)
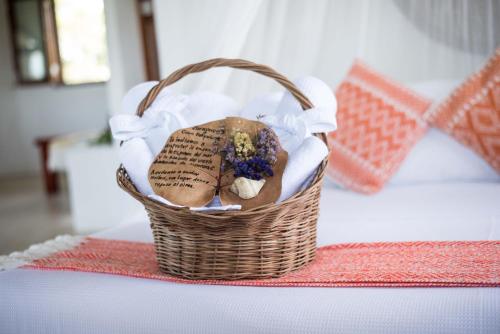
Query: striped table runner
point(381, 264)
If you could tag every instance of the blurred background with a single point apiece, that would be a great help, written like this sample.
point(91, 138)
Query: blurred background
point(65, 65)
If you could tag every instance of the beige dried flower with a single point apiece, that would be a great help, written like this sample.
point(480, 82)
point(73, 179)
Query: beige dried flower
point(243, 145)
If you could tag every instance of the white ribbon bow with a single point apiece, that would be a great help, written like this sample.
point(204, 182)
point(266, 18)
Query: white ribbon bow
point(296, 125)
point(292, 124)
point(165, 112)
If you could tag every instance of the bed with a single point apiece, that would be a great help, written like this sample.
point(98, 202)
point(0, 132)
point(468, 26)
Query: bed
point(71, 302)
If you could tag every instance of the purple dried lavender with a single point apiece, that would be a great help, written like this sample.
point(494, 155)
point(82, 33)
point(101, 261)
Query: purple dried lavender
point(267, 145)
point(230, 157)
point(255, 168)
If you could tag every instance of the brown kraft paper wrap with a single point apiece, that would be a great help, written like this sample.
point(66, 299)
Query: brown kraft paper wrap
point(187, 171)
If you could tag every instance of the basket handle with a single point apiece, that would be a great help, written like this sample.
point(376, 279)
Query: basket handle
point(223, 62)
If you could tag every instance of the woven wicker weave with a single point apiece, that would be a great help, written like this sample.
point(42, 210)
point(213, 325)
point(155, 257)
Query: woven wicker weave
point(263, 242)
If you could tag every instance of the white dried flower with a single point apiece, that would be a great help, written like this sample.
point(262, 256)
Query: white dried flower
point(247, 188)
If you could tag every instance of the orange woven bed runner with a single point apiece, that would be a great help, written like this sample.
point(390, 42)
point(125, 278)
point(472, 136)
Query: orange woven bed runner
point(382, 264)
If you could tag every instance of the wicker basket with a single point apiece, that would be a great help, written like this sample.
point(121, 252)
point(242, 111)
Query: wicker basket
point(263, 242)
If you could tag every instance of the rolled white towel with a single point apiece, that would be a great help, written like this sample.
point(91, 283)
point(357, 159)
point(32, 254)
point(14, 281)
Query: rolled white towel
point(301, 164)
point(317, 91)
point(262, 106)
point(293, 125)
point(136, 157)
point(215, 205)
point(144, 137)
point(181, 111)
point(203, 107)
point(134, 96)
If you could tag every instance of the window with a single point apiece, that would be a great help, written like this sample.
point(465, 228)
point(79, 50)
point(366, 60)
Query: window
point(28, 40)
point(59, 41)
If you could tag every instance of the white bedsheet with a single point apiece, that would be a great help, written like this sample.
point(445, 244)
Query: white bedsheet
point(69, 302)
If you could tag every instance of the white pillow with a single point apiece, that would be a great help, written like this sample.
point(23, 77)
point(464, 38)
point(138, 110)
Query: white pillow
point(438, 157)
point(436, 90)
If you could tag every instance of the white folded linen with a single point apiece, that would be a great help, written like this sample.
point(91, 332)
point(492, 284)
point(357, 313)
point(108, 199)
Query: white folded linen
point(292, 124)
point(262, 106)
point(134, 96)
point(144, 137)
point(204, 107)
point(301, 165)
point(168, 113)
point(215, 205)
point(136, 158)
point(316, 90)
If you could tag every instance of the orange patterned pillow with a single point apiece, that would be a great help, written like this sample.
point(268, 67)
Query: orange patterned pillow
point(471, 113)
point(379, 121)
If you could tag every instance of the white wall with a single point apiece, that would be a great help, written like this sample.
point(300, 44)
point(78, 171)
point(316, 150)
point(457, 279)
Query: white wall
point(29, 112)
point(126, 59)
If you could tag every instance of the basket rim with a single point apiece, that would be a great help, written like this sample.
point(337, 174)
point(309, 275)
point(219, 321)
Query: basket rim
point(145, 200)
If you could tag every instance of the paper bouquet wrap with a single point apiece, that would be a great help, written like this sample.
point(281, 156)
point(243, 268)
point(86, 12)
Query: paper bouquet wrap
point(220, 159)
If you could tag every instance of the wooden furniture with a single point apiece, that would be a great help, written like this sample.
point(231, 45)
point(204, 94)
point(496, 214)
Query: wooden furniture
point(50, 178)
point(150, 49)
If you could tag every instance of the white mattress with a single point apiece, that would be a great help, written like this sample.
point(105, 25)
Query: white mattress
point(70, 302)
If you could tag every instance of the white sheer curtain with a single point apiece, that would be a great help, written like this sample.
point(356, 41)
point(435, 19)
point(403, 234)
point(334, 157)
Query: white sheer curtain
point(410, 40)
